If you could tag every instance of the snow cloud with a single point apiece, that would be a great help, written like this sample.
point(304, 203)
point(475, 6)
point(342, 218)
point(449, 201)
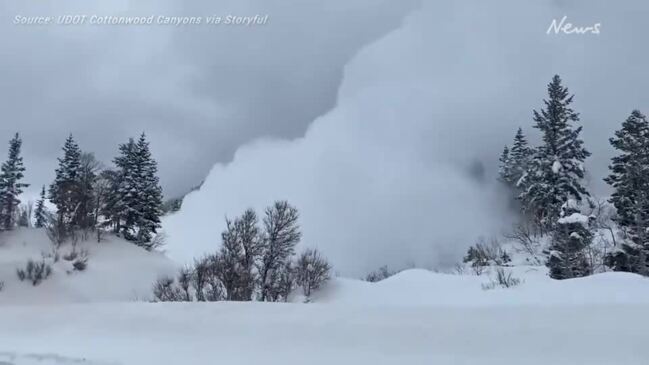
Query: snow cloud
point(401, 170)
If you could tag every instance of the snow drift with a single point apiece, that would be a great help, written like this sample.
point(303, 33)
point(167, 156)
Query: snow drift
point(117, 271)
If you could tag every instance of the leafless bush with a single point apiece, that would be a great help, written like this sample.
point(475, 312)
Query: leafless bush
point(528, 241)
point(458, 269)
point(166, 290)
point(56, 231)
point(484, 254)
point(159, 240)
point(35, 272)
point(199, 283)
point(379, 274)
point(79, 259)
point(205, 279)
point(503, 279)
point(184, 281)
point(311, 271)
point(2, 285)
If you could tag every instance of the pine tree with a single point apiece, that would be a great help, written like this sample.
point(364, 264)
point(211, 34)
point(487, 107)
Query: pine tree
point(40, 214)
point(64, 191)
point(567, 257)
point(504, 170)
point(520, 156)
point(151, 193)
point(11, 174)
point(136, 203)
point(556, 170)
point(630, 180)
point(515, 161)
point(123, 191)
point(88, 170)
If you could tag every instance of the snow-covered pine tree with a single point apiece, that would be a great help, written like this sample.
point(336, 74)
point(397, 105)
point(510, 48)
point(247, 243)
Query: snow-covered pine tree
point(64, 191)
point(520, 156)
point(555, 172)
point(630, 180)
point(136, 202)
point(150, 193)
point(11, 174)
point(504, 168)
point(40, 214)
point(123, 191)
point(88, 169)
point(572, 235)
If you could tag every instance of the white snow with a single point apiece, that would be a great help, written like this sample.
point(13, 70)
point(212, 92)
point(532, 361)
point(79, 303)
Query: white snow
point(574, 218)
point(117, 270)
point(415, 317)
point(556, 167)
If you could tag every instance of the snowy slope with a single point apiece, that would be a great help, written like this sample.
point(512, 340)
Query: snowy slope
point(117, 270)
point(415, 317)
point(421, 288)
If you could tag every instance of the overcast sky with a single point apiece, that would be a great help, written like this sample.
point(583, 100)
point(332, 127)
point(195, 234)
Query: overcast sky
point(199, 92)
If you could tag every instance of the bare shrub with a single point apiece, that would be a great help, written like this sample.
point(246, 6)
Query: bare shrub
point(379, 274)
point(200, 283)
point(484, 254)
point(458, 269)
point(79, 259)
point(35, 272)
point(205, 279)
point(502, 279)
point(184, 281)
point(159, 240)
point(166, 290)
point(311, 271)
point(524, 234)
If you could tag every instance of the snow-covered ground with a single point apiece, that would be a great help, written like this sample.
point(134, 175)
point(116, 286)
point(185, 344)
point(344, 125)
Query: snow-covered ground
point(414, 317)
point(117, 270)
point(254, 333)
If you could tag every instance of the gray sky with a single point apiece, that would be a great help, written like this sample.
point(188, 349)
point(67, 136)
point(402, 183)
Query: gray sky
point(199, 92)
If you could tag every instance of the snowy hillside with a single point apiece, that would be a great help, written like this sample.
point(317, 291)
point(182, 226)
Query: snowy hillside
point(415, 317)
point(101, 316)
point(117, 270)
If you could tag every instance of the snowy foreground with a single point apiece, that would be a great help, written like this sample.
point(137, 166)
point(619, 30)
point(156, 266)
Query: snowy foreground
point(415, 317)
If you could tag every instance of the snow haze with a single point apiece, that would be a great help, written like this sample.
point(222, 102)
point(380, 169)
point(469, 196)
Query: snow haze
point(395, 173)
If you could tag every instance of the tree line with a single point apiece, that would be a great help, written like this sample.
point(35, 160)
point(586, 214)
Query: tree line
point(125, 199)
point(547, 181)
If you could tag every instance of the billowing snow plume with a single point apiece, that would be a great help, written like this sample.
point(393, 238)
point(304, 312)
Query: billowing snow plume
point(401, 171)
